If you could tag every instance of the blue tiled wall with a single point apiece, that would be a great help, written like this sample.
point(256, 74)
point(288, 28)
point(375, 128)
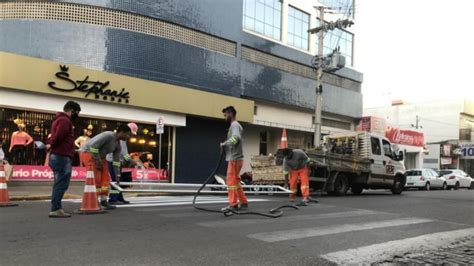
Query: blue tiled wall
point(149, 57)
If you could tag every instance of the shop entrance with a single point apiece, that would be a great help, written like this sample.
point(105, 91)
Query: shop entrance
point(146, 145)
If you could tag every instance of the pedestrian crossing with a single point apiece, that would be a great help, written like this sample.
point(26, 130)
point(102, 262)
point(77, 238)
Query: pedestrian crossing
point(358, 236)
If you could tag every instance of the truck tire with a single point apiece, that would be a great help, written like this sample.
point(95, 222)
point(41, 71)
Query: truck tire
point(341, 185)
point(398, 185)
point(356, 189)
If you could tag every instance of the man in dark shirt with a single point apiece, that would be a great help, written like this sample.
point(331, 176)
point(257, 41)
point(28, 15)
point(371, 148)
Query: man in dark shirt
point(61, 147)
point(295, 163)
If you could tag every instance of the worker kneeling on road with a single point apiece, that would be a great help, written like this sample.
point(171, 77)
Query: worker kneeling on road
point(93, 154)
point(235, 158)
point(295, 163)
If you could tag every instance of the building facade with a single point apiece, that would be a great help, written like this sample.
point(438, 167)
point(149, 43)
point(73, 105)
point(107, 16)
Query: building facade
point(448, 128)
point(182, 61)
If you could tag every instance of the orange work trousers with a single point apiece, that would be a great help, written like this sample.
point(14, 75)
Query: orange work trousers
point(102, 177)
point(303, 175)
point(234, 189)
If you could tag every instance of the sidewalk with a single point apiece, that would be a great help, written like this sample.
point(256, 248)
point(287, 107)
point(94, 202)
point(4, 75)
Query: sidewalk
point(19, 190)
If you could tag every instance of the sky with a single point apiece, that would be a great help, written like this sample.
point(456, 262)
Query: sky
point(414, 50)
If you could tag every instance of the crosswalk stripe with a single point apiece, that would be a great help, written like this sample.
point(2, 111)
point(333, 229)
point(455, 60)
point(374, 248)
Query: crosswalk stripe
point(387, 250)
point(330, 230)
point(241, 222)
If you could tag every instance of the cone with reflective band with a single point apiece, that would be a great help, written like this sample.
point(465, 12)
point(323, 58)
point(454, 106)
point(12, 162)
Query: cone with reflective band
point(89, 198)
point(284, 140)
point(4, 198)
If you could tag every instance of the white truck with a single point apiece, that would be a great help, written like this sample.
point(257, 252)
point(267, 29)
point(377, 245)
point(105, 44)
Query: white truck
point(357, 161)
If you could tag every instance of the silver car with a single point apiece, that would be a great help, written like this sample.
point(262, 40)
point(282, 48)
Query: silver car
point(425, 179)
point(456, 178)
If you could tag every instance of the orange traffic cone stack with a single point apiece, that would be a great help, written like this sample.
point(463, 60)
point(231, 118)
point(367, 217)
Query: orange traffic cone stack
point(284, 140)
point(4, 199)
point(89, 199)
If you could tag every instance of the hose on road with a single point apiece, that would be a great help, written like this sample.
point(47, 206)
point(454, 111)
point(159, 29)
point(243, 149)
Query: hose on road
point(273, 213)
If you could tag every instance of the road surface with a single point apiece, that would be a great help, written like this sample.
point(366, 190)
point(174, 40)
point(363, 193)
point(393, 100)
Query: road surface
point(375, 227)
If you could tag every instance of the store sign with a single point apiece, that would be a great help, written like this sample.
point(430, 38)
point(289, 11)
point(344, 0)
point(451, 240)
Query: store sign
point(97, 88)
point(467, 151)
point(160, 125)
point(446, 160)
point(405, 137)
point(44, 173)
point(372, 124)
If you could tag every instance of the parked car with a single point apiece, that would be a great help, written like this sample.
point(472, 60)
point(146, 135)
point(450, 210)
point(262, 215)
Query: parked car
point(425, 179)
point(457, 178)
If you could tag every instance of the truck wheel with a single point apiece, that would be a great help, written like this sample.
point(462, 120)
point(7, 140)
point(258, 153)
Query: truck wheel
point(398, 186)
point(341, 185)
point(357, 189)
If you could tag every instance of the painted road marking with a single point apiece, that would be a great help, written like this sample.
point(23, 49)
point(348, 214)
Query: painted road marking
point(387, 250)
point(330, 230)
point(293, 218)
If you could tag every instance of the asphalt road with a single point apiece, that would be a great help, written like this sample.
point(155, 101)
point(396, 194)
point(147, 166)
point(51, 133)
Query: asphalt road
point(368, 228)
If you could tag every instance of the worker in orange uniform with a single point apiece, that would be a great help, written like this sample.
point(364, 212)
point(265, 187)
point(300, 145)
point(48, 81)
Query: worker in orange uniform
point(296, 164)
point(235, 158)
point(93, 154)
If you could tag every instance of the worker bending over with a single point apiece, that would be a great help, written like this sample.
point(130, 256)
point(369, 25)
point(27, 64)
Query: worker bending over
point(295, 163)
point(93, 154)
point(235, 157)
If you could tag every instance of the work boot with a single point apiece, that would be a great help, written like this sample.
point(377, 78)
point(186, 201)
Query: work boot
point(107, 205)
point(243, 206)
point(230, 209)
point(59, 214)
point(305, 200)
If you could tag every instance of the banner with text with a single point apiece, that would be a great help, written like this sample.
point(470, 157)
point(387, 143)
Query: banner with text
point(44, 173)
point(405, 137)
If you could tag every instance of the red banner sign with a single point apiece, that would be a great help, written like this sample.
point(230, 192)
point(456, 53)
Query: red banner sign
point(405, 137)
point(44, 173)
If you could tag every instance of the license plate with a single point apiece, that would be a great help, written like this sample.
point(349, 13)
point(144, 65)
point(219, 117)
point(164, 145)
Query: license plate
point(409, 184)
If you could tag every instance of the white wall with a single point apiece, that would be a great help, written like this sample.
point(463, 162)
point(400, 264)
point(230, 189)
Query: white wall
point(431, 160)
point(440, 120)
point(251, 145)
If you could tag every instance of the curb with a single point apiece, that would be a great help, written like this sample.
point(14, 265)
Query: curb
point(41, 197)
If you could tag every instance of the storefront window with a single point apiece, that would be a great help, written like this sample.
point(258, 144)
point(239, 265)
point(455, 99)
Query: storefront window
point(145, 145)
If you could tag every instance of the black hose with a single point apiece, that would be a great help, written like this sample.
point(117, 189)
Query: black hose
point(273, 213)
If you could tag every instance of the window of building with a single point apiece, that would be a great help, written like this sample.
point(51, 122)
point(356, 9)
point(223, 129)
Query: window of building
point(298, 25)
point(339, 38)
point(341, 6)
point(263, 16)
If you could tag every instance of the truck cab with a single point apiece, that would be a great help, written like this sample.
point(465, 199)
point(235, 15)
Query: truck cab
point(386, 162)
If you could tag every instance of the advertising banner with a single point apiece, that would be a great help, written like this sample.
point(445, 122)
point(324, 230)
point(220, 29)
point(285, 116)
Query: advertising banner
point(372, 124)
point(44, 173)
point(405, 137)
point(467, 151)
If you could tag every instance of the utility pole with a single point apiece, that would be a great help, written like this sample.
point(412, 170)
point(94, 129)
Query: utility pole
point(319, 83)
point(330, 63)
point(417, 123)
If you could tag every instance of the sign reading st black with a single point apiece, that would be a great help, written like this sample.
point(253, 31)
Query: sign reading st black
point(97, 88)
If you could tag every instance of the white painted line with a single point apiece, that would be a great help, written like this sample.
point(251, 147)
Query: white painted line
point(3, 186)
point(293, 218)
point(132, 205)
point(385, 251)
point(330, 230)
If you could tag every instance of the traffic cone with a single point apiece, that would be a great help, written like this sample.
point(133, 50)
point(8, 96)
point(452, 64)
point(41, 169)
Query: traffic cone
point(284, 140)
point(89, 199)
point(4, 199)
